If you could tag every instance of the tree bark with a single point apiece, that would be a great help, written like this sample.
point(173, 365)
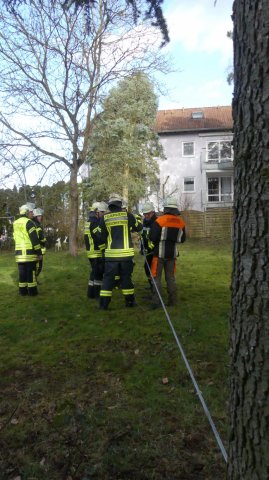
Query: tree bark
point(74, 200)
point(249, 401)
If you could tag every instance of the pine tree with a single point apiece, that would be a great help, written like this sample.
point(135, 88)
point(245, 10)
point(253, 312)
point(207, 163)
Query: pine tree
point(124, 144)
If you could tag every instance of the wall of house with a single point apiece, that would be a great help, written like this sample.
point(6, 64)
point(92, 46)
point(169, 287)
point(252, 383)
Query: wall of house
point(176, 166)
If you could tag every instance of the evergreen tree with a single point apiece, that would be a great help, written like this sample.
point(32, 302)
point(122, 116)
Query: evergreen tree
point(124, 144)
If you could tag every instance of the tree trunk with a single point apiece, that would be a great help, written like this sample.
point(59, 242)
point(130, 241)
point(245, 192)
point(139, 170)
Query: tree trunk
point(125, 189)
point(249, 401)
point(74, 198)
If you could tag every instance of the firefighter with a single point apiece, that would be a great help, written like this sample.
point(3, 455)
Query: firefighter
point(117, 283)
point(94, 254)
point(27, 250)
point(165, 233)
point(37, 219)
point(115, 237)
point(146, 246)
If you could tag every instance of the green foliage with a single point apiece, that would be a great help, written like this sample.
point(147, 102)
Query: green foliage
point(124, 145)
point(54, 200)
point(81, 389)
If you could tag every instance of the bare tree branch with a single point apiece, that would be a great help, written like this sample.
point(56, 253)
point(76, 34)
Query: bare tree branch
point(152, 12)
point(33, 144)
point(54, 74)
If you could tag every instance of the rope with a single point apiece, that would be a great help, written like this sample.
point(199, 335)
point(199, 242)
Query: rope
point(198, 391)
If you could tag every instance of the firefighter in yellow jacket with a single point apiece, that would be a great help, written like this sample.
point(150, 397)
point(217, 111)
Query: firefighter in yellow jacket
point(115, 238)
point(27, 250)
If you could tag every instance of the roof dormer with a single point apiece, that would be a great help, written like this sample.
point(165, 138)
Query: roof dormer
point(198, 114)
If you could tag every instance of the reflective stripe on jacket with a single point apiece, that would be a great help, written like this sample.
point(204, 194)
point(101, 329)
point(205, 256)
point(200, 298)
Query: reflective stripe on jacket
point(90, 238)
point(27, 246)
point(115, 234)
point(41, 235)
point(145, 245)
point(165, 233)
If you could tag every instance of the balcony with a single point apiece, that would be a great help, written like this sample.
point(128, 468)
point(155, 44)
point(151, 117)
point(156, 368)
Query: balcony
point(215, 164)
point(226, 164)
point(220, 198)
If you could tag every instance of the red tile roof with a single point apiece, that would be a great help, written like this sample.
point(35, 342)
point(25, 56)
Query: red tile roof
point(214, 118)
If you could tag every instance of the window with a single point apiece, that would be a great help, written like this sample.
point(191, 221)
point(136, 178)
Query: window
point(196, 115)
point(220, 189)
point(188, 184)
point(188, 149)
point(219, 151)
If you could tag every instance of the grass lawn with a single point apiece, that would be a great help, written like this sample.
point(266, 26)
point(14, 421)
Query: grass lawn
point(82, 394)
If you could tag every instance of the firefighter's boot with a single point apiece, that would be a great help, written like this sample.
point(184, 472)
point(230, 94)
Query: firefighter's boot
point(130, 301)
point(23, 291)
point(97, 289)
point(32, 291)
point(90, 291)
point(104, 302)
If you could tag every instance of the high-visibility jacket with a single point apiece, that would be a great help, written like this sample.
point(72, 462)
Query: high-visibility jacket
point(115, 234)
point(165, 233)
point(27, 246)
point(41, 235)
point(90, 239)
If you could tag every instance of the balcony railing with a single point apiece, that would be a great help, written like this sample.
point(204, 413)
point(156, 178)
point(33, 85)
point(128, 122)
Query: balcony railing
point(222, 198)
point(218, 163)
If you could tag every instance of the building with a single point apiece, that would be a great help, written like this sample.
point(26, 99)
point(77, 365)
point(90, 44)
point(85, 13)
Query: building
point(198, 164)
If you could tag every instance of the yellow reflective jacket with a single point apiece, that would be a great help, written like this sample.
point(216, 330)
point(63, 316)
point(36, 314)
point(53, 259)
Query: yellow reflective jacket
point(27, 246)
point(115, 234)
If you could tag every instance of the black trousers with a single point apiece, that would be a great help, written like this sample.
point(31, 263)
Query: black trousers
point(96, 277)
point(124, 270)
point(27, 278)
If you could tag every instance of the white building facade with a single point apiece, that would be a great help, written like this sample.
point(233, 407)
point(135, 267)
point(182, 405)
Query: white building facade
point(198, 165)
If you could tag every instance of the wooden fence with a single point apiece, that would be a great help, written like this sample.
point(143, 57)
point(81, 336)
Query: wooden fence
point(212, 223)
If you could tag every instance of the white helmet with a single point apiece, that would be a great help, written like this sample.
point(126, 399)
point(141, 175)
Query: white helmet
point(148, 207)
point(25, 209)
point(31, 206)
point(38, 212)
point(95, 206)
point(170, 203)
point(115, 199)
point(102, 207)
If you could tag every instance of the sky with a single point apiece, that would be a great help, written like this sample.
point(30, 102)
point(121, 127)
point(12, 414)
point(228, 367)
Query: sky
point(201, 53)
